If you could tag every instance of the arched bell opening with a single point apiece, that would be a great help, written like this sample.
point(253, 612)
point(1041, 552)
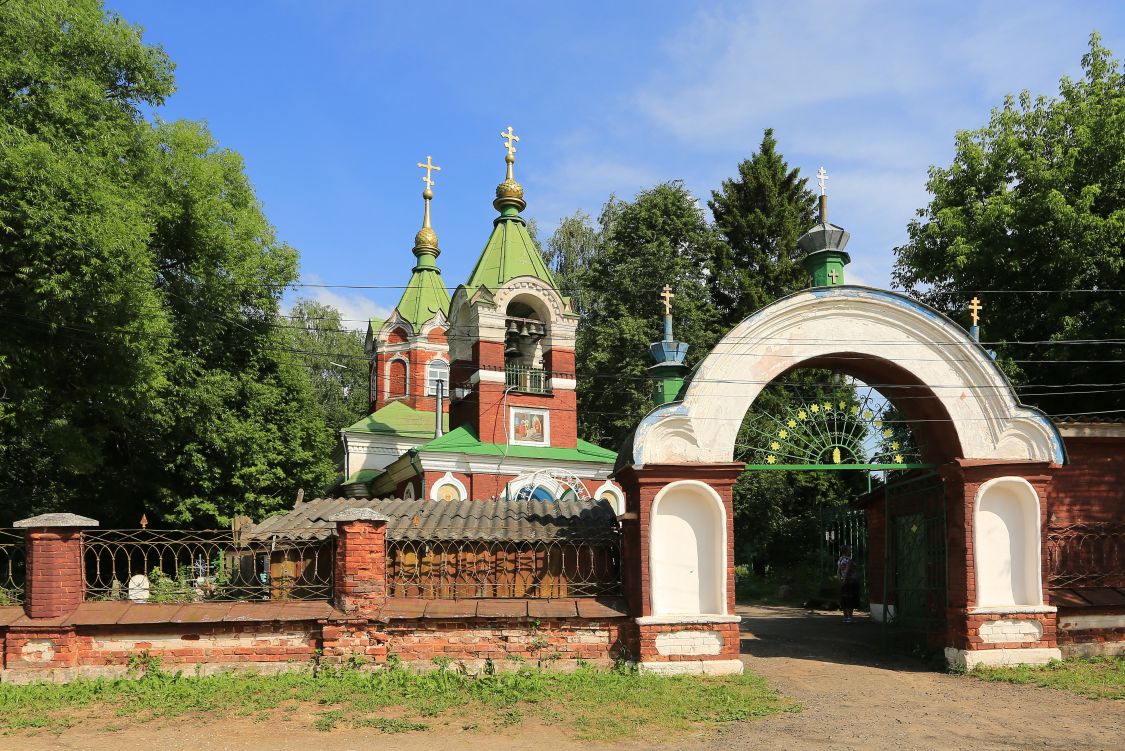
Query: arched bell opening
point(526, 325)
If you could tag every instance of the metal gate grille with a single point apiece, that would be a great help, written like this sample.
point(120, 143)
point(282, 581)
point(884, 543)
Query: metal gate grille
point(915, 568)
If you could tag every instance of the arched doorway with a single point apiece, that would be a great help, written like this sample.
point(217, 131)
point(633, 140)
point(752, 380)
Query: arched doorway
point(946, 386)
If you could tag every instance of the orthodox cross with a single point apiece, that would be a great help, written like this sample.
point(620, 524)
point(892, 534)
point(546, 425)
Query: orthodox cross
point(667, 296)
point(975, 307)
point(822, 178)
point(430, 168)
point(832, 275)
point(509, 136)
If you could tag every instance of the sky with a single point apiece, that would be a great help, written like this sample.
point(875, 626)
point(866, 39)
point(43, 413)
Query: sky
point(332, 104)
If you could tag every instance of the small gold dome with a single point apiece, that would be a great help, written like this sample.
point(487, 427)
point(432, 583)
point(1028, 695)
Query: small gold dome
point(509, 189)
point(426, 238)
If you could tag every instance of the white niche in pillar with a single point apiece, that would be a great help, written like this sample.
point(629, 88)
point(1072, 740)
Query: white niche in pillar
point(1006, 545)
point(687, 550)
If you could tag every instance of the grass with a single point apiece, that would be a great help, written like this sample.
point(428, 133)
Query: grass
point(590, 704)
point(1092, 677)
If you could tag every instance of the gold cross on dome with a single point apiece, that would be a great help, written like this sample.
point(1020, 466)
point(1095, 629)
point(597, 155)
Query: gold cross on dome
point(510, 137)
point(430, 168)
point(975, 307)
point(667, 296)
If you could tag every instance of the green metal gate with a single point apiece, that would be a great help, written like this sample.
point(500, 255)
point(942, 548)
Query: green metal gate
point(915, 573)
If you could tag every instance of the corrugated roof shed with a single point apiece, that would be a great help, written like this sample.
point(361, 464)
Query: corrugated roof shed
point(517, 521)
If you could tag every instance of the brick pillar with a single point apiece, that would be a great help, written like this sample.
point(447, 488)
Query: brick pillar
point(360, 582)
point(55, 584)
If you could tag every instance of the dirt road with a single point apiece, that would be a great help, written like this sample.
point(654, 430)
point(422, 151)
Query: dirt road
point(854, 695)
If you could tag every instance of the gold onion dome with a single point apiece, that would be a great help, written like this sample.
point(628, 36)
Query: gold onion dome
point(509, 193)
point(426, 238)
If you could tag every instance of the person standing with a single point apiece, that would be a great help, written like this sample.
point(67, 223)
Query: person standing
point(848, 573)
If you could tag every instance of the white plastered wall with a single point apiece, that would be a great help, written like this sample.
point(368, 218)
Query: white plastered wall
point(687, 550)
point(1006, 544)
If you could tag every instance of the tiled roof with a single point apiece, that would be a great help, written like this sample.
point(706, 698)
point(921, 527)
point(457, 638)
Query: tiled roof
point(461, 520)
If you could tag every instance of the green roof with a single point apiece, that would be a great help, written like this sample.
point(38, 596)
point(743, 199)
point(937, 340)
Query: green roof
point(424, 296)
point(397, 418)
point(464, 441)
point(362, 476)
point(509, 252)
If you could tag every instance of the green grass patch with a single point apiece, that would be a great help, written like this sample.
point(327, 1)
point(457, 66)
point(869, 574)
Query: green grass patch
point(1093, 677)
point(592, 704)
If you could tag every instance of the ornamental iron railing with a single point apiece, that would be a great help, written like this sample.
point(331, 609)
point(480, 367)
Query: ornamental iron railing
point(465, 569)
point(1090, 554)
point(13, 566)
point(153, 565)
point(527, 380)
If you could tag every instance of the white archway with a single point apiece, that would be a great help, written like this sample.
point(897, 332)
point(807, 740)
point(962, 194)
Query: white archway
point(862, 331)
point(688, 550)
point(1006, 544)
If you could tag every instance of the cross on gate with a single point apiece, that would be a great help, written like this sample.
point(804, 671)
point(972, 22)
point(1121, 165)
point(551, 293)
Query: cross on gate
point(667, 296)
point(976, 308)
point(430, 167)
point(510, 137)
point(832, 275)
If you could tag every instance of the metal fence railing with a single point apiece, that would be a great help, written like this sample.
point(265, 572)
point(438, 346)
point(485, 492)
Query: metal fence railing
point(1086, 555)
point(13, 566)
point(152, 565)
point(527, 380)
point(464, 569)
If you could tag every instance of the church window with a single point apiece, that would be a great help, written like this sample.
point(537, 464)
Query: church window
point(398, 373)
point(437, 370)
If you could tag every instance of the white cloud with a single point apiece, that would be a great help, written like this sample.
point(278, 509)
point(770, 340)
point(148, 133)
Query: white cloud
point(356, 308)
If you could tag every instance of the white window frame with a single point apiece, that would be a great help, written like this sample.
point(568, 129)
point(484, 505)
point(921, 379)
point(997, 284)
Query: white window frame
point(431, 384)
point(543, 413)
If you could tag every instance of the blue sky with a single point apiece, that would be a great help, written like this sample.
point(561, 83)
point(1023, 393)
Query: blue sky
point(332, 104)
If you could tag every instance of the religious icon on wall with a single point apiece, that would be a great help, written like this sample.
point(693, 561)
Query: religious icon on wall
point(529, 426)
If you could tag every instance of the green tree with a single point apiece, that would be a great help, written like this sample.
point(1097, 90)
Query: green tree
point(1035, 200)
point(335, 359)
point(760, 214)
point(661, 237)
point(568, 254)
point(144, 367)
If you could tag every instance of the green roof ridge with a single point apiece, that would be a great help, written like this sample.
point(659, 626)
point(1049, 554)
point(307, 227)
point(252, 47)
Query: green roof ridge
point(510, 252)
point(398, 418)
point(463, 440)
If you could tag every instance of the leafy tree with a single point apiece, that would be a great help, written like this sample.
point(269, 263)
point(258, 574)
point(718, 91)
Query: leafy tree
point(143, 368)
point(335, 359)
point(1035, 200)
point(569, 252)
point(760, 214)
point(661, 237)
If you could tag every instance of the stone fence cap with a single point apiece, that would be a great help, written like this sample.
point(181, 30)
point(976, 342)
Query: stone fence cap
point(361, 514)
point(56, 520)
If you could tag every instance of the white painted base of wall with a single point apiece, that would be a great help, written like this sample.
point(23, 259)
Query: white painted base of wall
point(24, 676)
point(879, 610)
point(1083, 622)
point(970, 658)
point(673, 620)
point(692, 667)
point(1094, 649)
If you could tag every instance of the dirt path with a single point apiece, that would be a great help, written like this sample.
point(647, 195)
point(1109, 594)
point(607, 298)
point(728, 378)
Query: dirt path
point(854, 696)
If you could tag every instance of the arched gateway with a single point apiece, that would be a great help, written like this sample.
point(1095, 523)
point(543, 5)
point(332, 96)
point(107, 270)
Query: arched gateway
point(994, 455)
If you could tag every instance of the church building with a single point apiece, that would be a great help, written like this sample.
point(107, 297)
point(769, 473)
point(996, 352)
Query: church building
point(495, 360)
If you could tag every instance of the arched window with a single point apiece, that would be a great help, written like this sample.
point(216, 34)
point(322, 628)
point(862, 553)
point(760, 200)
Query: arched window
point(437, 370)
point(398, 374)
point(397, 336)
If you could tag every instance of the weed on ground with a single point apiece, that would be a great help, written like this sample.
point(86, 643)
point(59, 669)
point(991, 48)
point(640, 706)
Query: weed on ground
point(589, 703)
point(1092, 677)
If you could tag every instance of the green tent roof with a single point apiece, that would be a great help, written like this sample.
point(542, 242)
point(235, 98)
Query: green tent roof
point(464, 441)
point(509, 252)
point(397, 418)
point(424, 296)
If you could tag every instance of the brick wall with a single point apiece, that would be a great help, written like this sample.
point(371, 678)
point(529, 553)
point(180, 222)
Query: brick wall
point(54, 565)
point(1091, 486)
point(360, 583)
point(674, 642)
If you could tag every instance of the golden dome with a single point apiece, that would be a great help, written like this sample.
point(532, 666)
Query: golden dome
point(426, 238)
point(509, 189)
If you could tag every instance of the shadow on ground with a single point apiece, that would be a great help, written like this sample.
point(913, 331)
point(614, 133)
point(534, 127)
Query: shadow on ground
point(770, 631)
